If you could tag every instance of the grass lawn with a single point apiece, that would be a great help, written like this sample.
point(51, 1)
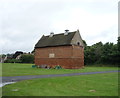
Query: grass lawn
point(11, 69)
point(0, 69)
point(85, 85)
point(105, 84)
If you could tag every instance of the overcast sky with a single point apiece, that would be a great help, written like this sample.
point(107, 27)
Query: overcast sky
point(23, 22)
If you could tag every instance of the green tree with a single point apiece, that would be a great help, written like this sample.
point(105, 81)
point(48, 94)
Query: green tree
point(92, 53)
point(118, 44)
point(89, 55)
point(85, 44)
point(27, 58)
point(100, 53)
point(12, 61)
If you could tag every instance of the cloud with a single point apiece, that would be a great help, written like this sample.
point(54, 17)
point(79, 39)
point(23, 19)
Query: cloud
point(119, 19)
point(90, 25)
point(23, 22)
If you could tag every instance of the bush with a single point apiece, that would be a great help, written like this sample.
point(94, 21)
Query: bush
point(12, 61)
point(27, 58)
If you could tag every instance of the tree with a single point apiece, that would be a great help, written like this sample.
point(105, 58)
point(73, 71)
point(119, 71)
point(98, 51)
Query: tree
point(27, 58)
point(118, 44)
point(12, 61)
point(93, 53)
point(85, 44)
point(100, 53)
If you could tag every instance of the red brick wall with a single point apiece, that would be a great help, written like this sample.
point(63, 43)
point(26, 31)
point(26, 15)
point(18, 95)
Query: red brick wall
point(60, 52)
point(65, 56)
point(78, 52)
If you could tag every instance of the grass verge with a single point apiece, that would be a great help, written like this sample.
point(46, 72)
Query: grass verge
point(17, 69)
point(85, 85)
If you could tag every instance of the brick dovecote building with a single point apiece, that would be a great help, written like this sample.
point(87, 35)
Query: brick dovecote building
point(65, 49)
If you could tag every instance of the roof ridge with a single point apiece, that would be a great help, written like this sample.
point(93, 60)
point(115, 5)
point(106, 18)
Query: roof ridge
point(56, 40)
point(61, 33)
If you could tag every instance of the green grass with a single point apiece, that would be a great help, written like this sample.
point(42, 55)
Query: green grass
point(101, 85)
point(0, 80)
point(0, 69)
point(11, 69)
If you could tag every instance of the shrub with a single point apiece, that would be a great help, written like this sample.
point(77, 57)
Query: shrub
point(12, 61)
point(27, 58)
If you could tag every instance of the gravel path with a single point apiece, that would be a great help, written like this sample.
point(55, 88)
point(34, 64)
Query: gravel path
point(19, 78)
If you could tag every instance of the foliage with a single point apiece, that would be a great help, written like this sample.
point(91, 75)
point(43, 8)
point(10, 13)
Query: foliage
point(118, 43)
point(3, 55)
point(12, 61)
point(85, 44)
point(27, 58)
point(100, 53)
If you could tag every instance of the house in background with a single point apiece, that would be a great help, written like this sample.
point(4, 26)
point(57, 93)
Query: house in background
point(4, 57)
point(65, 49)
point(17, 55)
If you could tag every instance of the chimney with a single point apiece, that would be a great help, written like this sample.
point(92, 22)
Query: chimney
point(66, 32)
point(51, 34)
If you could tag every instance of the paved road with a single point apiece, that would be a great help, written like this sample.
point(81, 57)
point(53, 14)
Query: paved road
point(19, 78)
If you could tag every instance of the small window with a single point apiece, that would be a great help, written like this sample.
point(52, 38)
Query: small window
point(78, 43)
point(51, 55)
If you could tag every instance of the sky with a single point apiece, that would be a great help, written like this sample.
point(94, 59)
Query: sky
point(23, 22)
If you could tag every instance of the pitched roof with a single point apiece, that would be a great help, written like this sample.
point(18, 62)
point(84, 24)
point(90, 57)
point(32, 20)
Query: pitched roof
point(55, 40)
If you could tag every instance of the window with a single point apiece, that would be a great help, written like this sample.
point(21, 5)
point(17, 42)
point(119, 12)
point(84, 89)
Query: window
point(78, 43)
point(51, 55)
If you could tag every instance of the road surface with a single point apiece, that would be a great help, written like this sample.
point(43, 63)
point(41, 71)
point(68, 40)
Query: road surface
point(19, 78)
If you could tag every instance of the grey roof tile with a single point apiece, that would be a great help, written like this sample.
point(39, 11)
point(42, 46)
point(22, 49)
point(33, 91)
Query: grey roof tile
point(55, 40)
